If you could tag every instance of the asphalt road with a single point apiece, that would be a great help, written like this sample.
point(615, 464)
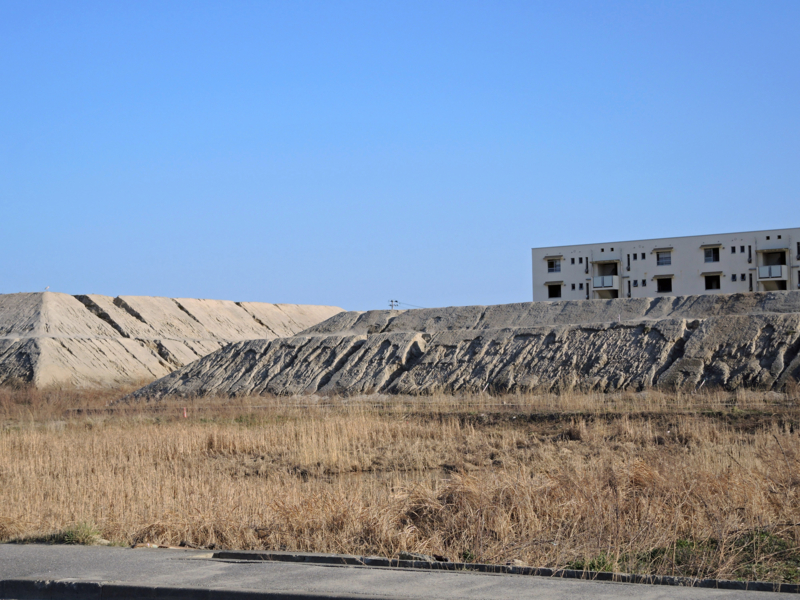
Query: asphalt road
point(195, 574)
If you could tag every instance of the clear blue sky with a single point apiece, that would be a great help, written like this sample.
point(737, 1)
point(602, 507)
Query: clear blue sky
point(351, 152)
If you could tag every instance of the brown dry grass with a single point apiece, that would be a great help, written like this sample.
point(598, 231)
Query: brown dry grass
point(703, 485)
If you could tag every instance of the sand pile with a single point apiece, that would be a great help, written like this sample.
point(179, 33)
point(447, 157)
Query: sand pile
point(56, 339)
point(732, 341)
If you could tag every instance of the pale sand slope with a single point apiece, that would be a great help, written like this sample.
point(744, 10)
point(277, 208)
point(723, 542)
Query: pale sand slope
point(737, 340)
point(49, 338)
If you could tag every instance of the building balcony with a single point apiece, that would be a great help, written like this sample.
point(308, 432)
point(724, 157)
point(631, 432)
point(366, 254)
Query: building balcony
point(772, 272)
point(602, 282)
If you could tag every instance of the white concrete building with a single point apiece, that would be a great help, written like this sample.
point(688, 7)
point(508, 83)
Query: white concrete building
point(754, 261)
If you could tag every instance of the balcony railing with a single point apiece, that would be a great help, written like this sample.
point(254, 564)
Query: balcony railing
point(770, 272)
point(605, 281)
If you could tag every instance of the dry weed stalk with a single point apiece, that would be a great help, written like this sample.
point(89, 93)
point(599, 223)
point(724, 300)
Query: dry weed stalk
point(702, 485)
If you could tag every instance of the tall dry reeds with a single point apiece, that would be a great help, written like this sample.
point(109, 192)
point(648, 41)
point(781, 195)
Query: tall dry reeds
point(703, 485)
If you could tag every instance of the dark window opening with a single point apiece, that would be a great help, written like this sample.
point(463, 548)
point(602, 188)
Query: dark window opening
point(742, 278)
point(629, 289)
point(602, 249)
point(741, 249)
point(767, 237)
point(554, 266)
point(798, 249)
point(612, 250)
point(751, 282)
point(712, 255)
point(642, 255)
point(554, 290)
point(712, 282)
point(607, 269)
point(733, 249)
point(779, 237)
point(580, 260)
point(664, 284)
point(774, 258)
point(733, 277)
point(644, 282)
point(573, 261)
point(573, 286)
point(635, 256)
point(629, 262)
point(580, 286)
point(635, 283)
point(750, 255)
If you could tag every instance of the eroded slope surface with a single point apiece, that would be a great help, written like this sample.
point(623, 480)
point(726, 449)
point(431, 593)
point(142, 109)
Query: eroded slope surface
point(740, 340)
point(57, 339)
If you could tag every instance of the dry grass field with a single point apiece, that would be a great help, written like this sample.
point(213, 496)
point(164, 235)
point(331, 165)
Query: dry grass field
point(701, 485)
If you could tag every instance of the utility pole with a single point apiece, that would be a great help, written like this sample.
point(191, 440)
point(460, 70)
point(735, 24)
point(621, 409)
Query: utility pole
point(393, 304)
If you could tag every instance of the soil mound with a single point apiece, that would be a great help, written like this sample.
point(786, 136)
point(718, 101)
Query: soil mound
point(737, 340)
point(49, 338)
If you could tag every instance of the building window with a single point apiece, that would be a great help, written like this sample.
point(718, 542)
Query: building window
point(733, 277)
point(712, 282)
point(573, 286)
point(774, 258)
point(663, 259)
point(743, 277)
point(603, 249)
point(580, 260)
point(644, 282)
point(664, 284)
point(573, 261)
point(580, 286)
point(635, 283)
point(712, 255)
point(741, 249)
point(612, 249)
point(554, 266)
point(554, 290)
point(767, 237)
point(642, 255)
point(733, 249)
point(635, 256)
point(779, 237)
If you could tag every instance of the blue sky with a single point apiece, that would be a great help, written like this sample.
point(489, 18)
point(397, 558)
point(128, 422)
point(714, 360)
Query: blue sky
point(351, 152)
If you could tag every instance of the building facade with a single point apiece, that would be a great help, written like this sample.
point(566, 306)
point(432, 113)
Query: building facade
point(754, 261)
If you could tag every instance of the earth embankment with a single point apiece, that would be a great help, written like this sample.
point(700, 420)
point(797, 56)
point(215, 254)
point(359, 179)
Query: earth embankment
point(730, 341)
point(51, 338)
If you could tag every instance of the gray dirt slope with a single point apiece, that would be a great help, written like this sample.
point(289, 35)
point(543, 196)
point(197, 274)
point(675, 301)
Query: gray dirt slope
point(738, 340)
point(49, 338)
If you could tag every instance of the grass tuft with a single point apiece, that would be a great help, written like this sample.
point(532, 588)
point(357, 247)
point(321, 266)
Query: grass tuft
point(83, 534)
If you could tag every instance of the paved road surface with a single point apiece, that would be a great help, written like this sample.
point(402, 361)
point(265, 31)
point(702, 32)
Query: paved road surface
point(198, 570)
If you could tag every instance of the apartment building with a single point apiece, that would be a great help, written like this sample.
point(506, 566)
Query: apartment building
point(754, 261)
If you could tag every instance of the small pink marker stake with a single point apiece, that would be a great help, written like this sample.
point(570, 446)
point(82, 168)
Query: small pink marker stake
point(185, 416)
